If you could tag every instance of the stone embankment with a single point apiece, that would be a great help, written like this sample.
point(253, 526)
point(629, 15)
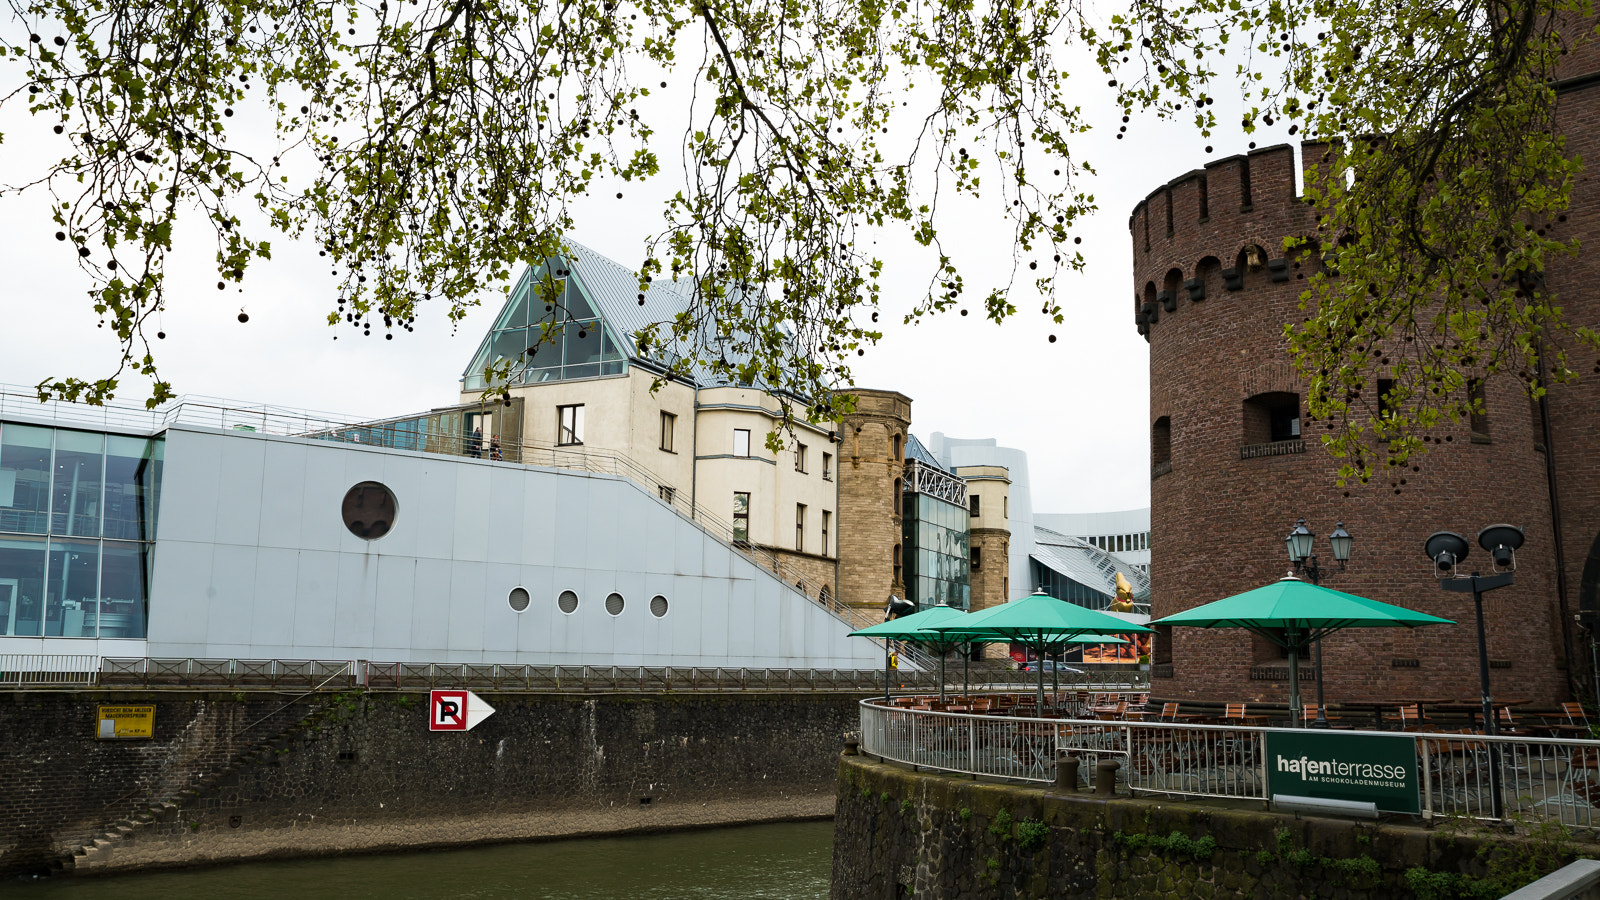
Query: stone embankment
point(235, 777)
point(901, 833)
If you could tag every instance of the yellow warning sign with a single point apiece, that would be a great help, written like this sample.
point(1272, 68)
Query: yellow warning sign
point(121, 722)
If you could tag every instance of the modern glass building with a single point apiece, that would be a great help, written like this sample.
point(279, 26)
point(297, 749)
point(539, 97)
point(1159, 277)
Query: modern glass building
point(934, 522)
point(77, 531)
point(549, 331)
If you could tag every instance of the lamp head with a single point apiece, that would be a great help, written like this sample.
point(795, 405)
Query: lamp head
point(1299, 542)
point(1502, 542)
point(1341, 542)
point(898, 608)
point(1446, 549)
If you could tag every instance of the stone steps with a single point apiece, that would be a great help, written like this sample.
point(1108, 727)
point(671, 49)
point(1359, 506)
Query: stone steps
point(165, 809)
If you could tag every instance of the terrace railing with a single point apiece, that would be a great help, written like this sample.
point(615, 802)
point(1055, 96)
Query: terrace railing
point(1542, 779)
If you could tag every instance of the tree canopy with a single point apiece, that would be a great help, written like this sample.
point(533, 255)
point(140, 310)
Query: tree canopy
point(431, 147)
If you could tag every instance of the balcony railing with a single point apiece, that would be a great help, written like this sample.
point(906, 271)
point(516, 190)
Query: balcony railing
point(1273, 448)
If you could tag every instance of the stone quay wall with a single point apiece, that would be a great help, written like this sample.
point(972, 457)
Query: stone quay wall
point(235, 777)
point(901, 833)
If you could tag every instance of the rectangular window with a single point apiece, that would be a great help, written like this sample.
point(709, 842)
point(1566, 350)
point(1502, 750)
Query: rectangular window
point(973, 506)
point(669, 424)
point(799, 526)
point(977, 558)
point(800, 458)
point(741, 442)
point(827, 519)
point(1385, 387)
point(827, 467)
point(741, 515)
point(668, 493)
point(571, 425)
point(1479, 415)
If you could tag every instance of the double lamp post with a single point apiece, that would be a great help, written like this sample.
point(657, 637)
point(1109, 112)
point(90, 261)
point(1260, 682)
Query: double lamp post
point(1302, 552)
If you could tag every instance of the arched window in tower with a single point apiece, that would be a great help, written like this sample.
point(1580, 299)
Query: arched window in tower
point(896, 447)
point(897, 569)
point(1207, 279)
point(1169, 290)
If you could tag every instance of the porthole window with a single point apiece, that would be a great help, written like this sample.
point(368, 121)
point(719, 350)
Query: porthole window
point(658, 606)
point(518, 598)
point(614, 604)
point(368, 510)
point(568, 602)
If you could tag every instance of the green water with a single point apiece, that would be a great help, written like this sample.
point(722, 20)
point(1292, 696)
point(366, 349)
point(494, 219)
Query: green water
point(756, 862)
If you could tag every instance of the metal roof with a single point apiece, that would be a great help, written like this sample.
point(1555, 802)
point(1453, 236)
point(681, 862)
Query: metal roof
point(1086, 564)
point(916, 450)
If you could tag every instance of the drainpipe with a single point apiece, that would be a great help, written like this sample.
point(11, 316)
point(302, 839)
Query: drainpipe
point(694, 456)
point(1555, 518)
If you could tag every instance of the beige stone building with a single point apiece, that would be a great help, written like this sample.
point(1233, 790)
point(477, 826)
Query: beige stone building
point(845, 514)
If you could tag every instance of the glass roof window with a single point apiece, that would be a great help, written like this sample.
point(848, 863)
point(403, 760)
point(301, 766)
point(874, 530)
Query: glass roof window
point(547, 344)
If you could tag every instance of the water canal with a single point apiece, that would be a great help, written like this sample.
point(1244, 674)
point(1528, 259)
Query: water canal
point(789, 861)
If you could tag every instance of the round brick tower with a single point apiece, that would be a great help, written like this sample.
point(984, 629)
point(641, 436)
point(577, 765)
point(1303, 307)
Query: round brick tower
point(1231, 472)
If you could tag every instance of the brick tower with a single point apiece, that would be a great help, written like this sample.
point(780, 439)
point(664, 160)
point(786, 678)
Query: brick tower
point(1231, 472)
point(872, 459)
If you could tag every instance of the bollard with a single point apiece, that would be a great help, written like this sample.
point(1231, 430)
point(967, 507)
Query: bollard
point(1067, 772)
point(852, 748)
point(1105, 777)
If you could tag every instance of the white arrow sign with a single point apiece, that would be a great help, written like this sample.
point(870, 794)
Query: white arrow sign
point(456, 710)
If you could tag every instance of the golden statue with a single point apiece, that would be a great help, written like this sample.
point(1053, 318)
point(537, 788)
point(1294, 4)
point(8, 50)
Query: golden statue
point(1124, 600)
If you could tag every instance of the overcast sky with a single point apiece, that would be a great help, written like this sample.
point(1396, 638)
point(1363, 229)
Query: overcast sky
point(1078, 406)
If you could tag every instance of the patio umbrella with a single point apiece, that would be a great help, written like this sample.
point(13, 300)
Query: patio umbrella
point(915, 628)
point(1292, 614)
point(1037, 621)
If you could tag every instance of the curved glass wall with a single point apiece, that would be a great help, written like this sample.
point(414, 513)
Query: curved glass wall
point(581, 347)
point(77, 531)
point(935, 541)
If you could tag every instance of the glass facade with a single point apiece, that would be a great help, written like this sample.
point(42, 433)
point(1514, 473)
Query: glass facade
point(1061, 587)
point(936, 551)
point(77, 528)
point(582, 346)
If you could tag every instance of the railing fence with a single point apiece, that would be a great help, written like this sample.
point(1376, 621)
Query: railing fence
point(1541, 779)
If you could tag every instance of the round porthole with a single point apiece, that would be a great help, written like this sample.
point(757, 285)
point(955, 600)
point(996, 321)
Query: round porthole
point(568, 602)
point(518, 598)
point(614, 604)
point(658, 606)
point(368, 510)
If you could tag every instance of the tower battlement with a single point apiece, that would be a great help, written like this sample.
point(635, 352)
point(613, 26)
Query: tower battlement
point(1192, 237)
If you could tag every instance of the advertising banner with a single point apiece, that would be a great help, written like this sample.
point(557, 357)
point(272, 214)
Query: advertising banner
point(1363, 768)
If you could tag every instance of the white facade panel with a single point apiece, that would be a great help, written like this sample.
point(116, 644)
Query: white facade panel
point(294, 583)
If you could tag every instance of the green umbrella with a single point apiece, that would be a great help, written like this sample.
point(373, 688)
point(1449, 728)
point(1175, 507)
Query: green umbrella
point(1038, 621)
point(1292, 614)
point(915, 628)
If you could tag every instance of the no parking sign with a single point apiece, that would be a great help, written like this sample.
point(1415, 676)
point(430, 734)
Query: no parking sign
point(456, 710)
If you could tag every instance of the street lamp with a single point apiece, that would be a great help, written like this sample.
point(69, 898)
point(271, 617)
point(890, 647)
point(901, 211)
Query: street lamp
point(1302, 552)
point(1447, 549)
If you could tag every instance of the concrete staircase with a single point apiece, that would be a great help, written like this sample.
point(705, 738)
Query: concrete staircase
point(151, 813)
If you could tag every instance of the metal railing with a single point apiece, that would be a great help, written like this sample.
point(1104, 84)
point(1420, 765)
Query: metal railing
point(207, 412)
point(1541, 779)
point(355, 674)
point(22, 669)
point(273, 673)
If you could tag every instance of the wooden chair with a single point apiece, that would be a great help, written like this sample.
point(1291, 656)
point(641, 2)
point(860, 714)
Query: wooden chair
point(1508, 723)
point(1169, 713)
point(1409, 717)
point(1575, 714)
